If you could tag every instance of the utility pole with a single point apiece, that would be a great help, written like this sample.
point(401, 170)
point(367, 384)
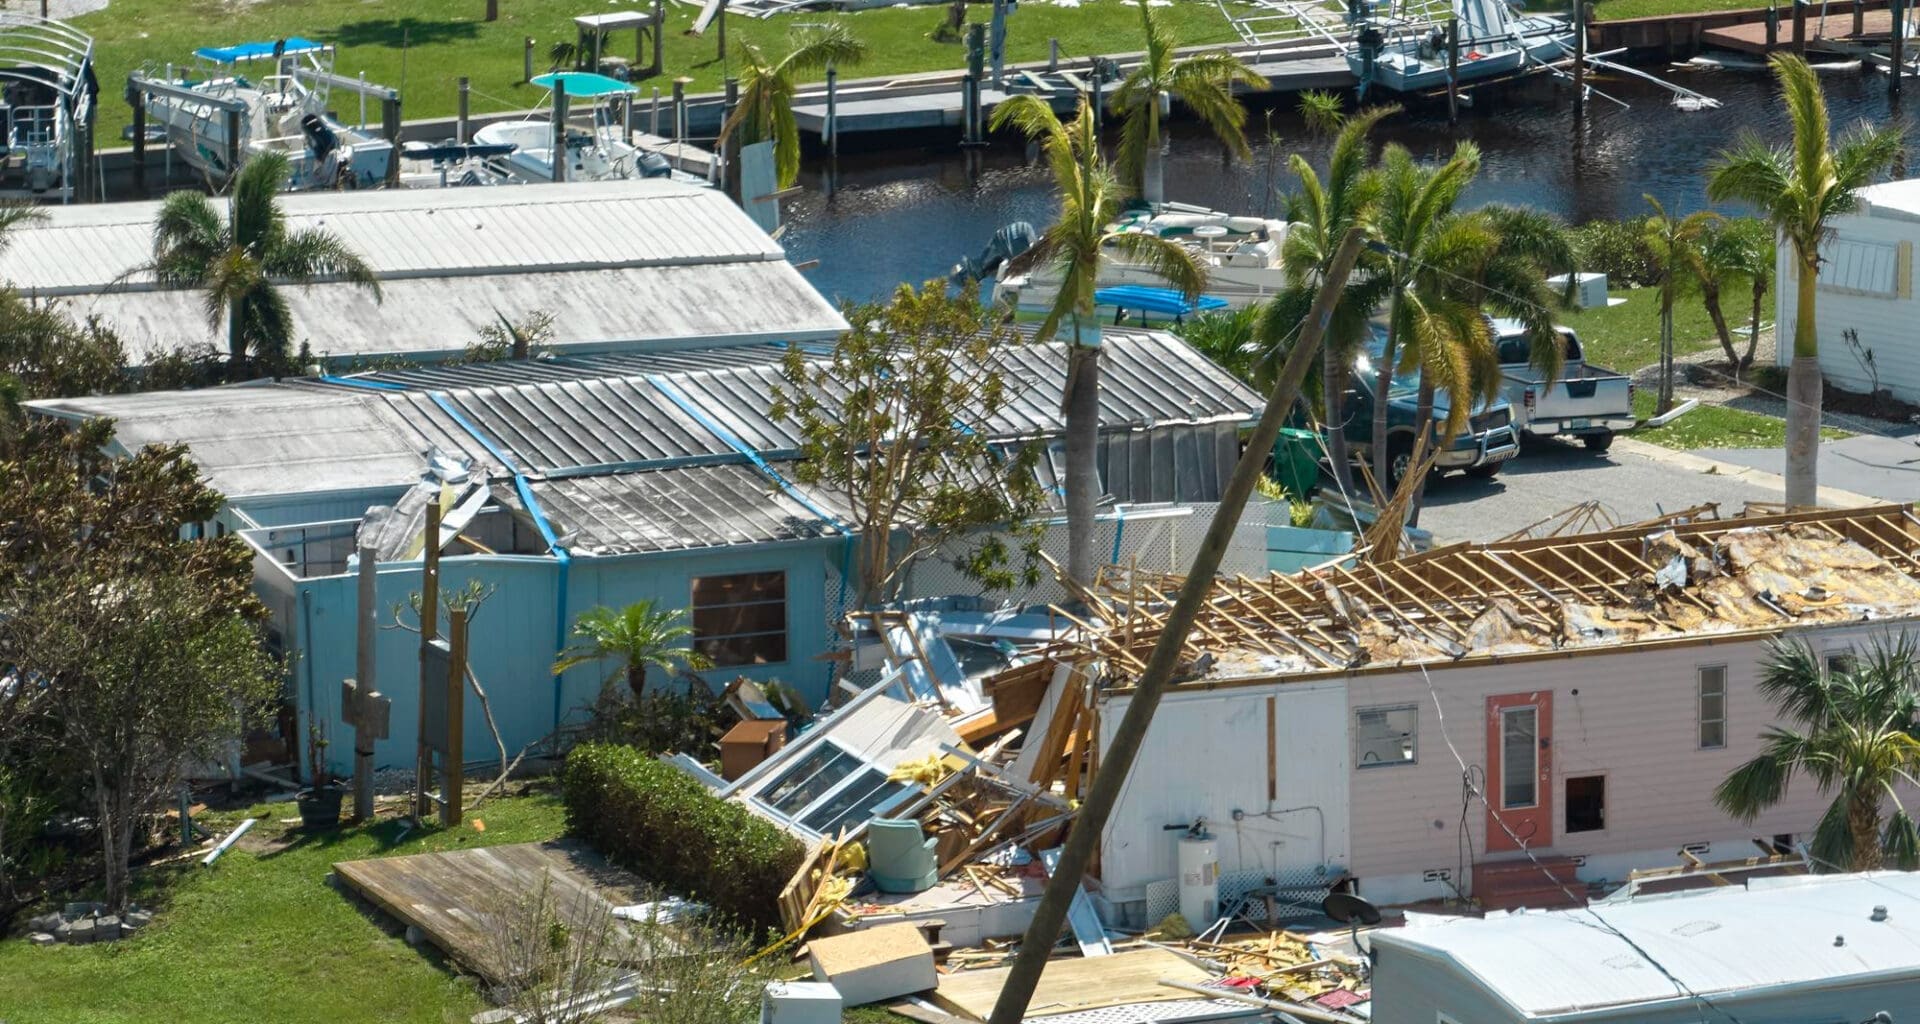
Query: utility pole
point(1117, 760)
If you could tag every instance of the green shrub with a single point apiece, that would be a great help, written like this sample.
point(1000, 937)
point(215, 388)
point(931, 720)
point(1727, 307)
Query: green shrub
point(651, 818)
point(1614, 248)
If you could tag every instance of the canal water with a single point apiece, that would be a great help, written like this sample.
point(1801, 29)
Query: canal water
point(879, 218)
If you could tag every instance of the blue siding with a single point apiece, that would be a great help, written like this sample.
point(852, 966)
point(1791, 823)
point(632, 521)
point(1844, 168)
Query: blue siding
point(513, 636)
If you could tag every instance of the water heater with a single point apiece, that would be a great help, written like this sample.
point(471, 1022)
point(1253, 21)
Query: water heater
point(1199, 879)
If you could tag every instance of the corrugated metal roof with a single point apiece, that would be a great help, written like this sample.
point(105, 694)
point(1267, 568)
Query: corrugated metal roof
point(677, 509)
point(1776, 932)
point(423, 232)
point(571, 366)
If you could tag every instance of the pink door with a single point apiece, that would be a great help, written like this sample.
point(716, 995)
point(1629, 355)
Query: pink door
point(1519, 771)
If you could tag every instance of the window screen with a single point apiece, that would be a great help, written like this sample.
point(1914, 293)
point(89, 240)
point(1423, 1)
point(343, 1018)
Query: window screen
point(1519, 757)
point(1385, 736)
point(741, 619)
point(1864, 268)
point(1713, 707)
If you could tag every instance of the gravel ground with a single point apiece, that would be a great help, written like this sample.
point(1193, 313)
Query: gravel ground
point(59, 10)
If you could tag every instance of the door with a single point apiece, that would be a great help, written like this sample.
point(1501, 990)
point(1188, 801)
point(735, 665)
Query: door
point(1519, 771)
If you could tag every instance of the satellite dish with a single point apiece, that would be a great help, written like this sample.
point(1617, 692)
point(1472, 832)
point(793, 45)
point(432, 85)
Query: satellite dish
point(1347, 908)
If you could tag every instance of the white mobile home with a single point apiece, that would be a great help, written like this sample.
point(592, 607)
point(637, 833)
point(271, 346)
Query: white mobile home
point(1865, 286)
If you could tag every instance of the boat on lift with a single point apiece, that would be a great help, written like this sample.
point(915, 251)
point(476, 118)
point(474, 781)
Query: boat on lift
point(284, 110)
point(1409, 53)
point(48, 93)
point(599, 152)
point(1241, 255)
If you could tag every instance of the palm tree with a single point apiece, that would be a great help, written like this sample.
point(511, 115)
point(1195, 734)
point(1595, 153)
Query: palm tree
point(1230, 338)
point(1800, 189)
point(240, 261)
point(1675, 249)
point(636, 637)
point(767, 88)
point(1854, 737)
point(1077, 245)
point(1203, 81)
point(1320, 215)
point(1432, 320)
point(1735, 251)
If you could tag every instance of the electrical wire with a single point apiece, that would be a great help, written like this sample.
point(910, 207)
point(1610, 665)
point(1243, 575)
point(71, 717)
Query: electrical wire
point(1604, 924)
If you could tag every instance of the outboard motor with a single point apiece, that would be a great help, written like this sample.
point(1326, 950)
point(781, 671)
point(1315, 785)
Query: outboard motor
point(653, 165)
point(1371, 40)
point(1008, 242)
point(321, 141)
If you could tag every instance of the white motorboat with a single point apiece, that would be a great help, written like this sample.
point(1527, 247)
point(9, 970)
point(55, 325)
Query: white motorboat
point(47, 93)
point(600, 152)
point(1241, 254)
point(284, 110)
point(1409, 54)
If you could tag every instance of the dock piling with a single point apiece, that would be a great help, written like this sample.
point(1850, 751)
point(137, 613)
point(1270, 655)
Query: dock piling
point(729, 148)
point(1579, 57)
point(828, 127)
point(560, 156)
point(1897, 45)
point(462, 129)
point(1053, 55)
point(1800, 28)
point(1453, 71)
point(526, 61)
point(138, 98)
point(653, 122)
point(1859, 18)
point(997, 43)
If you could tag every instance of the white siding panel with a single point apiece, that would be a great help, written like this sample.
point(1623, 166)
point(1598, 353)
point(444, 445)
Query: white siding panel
point(1205, 755)
point(1867, 288)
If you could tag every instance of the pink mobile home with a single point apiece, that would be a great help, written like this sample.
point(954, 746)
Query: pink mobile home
point(1594, 689)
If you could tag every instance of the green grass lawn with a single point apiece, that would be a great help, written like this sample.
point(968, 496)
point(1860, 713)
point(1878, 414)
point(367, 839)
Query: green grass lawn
point(1626, 337)
point(1616, 10)
point(1717, 426)
point(423, 47)
point(261, 937)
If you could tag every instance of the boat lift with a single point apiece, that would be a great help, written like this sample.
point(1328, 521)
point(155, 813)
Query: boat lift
point(49, 106)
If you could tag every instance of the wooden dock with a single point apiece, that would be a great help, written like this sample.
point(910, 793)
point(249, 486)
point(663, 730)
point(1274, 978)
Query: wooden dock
point(1840, 33)
point(456, 898)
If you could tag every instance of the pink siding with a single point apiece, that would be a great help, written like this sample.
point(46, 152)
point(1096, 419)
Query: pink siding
point(1631, 716)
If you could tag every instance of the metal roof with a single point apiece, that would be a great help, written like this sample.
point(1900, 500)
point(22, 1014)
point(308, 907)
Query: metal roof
point(1775, 933)
point(677, 509)
point(572, 366)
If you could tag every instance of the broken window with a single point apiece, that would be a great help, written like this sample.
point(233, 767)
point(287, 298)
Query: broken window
point(1713, 707)
point(1586, 803)
point(1384, 736)
point(741, 619)
point(830, 787)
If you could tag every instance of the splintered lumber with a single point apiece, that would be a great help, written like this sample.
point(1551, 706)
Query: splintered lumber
point(1076, 983)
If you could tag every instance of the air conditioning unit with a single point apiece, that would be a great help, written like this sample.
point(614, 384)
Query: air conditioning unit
point(800, 1002)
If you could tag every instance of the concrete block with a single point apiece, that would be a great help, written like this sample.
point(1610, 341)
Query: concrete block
point(45, 923)
point(494, 1016)
point(42, 939)
point(76, 933)
point(106, 929)
point(873, 964)
point(75, 911)
point(800, 1002)
point(136, 920)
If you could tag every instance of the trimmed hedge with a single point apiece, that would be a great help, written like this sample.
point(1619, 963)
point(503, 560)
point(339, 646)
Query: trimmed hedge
point(655, 820)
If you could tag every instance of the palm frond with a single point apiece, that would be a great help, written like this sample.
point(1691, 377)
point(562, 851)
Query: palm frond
point(254, 206)
point(307, 255)
point(1167, 259)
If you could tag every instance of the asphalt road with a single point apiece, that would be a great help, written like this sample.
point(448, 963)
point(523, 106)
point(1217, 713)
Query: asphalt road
point(1633, 481)
point(1882, 467)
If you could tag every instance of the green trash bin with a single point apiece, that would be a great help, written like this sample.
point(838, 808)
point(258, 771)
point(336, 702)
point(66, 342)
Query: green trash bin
point(1296, 461)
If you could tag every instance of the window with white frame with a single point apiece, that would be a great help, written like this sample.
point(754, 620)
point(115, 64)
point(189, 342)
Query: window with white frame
point(1713, 706)
point(831, 786)
point(1386, 735)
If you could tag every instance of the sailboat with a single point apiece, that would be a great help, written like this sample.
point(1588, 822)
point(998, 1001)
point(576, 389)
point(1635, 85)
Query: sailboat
point(284, 109)
point(1408, 52)
point(597, 153)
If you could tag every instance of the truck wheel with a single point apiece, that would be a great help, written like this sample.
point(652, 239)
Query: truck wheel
point(1399, 463)
point(1487, 471)
point(1598, 442)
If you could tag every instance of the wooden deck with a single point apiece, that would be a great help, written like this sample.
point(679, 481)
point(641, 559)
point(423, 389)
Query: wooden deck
point(454, 897)
point(1077, 983)
point(1836, 36)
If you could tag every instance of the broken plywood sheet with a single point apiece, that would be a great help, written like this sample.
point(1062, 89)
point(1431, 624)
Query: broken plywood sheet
point(1071, 984)
point(872, 964)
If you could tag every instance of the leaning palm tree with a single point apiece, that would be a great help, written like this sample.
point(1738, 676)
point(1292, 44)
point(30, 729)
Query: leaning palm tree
point(1800, 189)
point(238, 262)
point(1674, 244)
point(635, 638)
point(767, 88)
point(1076, 247)
point(1202, 81)
point(1320, 214)
point(1853, 734)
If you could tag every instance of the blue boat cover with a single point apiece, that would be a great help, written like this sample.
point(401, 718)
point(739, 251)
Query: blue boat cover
point(583, 83)
point(255, 51)
point(1165, 301)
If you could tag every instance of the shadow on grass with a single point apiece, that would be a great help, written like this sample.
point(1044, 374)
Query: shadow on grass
point(393, 33)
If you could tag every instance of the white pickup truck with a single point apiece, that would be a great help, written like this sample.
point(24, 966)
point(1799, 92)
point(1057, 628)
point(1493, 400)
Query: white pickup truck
point(1587, 402)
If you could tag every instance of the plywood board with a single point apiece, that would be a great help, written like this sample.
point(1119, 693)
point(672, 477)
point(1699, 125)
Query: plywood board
point(1077, 983)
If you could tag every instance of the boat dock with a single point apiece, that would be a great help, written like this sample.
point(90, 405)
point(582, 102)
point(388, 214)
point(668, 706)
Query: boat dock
point(1846, 30)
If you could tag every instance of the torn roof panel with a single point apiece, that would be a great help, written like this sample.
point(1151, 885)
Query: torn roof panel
point(1469, 602)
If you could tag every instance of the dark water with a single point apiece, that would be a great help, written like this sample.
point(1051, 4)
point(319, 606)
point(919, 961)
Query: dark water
point(880, 218)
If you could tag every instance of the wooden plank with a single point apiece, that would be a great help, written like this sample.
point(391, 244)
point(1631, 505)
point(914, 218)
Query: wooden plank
point(1069, 984)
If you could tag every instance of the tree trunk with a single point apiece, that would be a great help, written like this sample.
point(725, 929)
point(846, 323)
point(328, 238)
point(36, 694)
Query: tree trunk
point(116, 840)
point(874, 547)
point(1083, 439)
point(1382, 382)
point(236, 346)
point(1753, 323)
point(1153, 168)
point(637, 678)
point(1863, 822)
point(1333, 402)
point(1710, 296)
point(1423, 425)
point(1665, 401)
point(1803, 398)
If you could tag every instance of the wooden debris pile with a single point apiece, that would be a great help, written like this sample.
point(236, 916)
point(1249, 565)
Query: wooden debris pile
point(1287, 966)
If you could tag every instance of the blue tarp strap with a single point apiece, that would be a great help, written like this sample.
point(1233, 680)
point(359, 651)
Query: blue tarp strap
point(1119, 531)
point(361, 382)
point(540, 522)
point(731, 440)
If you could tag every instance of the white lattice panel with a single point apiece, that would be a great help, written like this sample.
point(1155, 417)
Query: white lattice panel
point(1171, 1011)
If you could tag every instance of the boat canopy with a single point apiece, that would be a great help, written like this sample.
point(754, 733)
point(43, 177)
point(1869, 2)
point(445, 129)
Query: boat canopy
point(1164, 301)
point(583, 83)
point(238, 52)
point(47, 53)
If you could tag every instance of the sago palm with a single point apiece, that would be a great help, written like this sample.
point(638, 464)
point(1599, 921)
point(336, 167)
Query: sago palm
point(1203, 82)
point(1320, 214)
point(1853, 736)
point(1674, 244)
point(767, 88)
point(1800, 189)
point(635, 638)
point(1076, 247)
point(239, 262)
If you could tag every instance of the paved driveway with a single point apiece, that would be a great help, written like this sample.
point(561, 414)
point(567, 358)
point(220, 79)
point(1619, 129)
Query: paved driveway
point(1633, 480)
point(1882, 467)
